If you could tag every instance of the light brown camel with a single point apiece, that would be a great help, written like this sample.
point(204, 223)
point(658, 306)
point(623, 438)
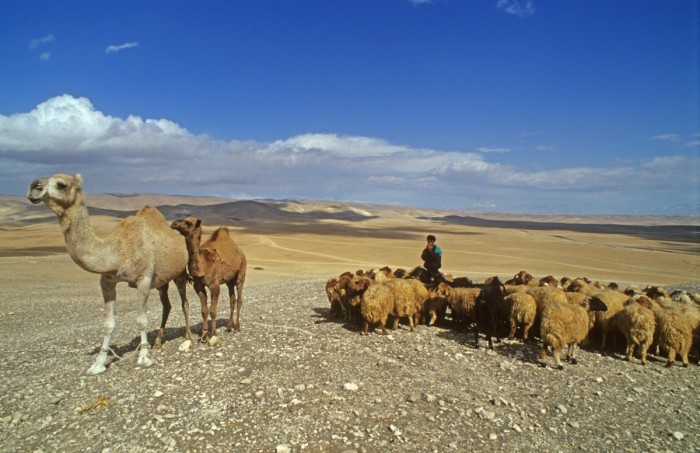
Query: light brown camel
point(217, 261)
point(141, 251)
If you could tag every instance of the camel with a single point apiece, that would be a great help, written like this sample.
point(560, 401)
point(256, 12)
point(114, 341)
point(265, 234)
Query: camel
point(141, 250)
point(216, 262)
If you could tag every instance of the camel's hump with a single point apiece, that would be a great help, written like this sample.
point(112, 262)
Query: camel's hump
point(151, 214)
point(220, 233)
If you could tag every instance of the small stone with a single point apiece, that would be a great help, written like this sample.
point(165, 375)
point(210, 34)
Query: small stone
point(678, 435)
point(493, 436)
point(282, 448)
point(185, 346)
point(562, 409)
point(213, 341)
point(300, 387)
point(351, 386)
point(638, 389)
point(573, 424)
point(219, 354)
point(430, 398)
point(158, 394)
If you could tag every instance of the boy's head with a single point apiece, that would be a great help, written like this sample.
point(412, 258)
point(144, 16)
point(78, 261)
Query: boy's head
point(431, 238)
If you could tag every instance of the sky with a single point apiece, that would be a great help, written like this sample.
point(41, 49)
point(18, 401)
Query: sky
point(525, 106)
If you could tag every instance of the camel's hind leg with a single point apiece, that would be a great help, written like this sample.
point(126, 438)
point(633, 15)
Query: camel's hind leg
point(109, 294)
point(143, 287)
point(238, 299)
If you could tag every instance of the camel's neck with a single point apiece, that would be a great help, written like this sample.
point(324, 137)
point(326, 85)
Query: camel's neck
point(194, 264)
point(87, 250)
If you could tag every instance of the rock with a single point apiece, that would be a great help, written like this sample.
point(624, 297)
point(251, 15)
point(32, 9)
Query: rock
point(678, 435)
point(185, 346)
point(351, 387)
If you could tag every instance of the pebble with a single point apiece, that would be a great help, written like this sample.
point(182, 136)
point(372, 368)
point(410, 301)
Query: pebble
point(158, 394)
point(351, 386)
point(282, 448)
point(562, 409)
point(678, 435)
point(185, 346)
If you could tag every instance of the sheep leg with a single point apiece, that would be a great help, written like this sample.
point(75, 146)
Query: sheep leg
point(602, 340)
point(384, 328)
point(643, 348)
point(410, 323)
point(513, 328)
point(109, 294)
point(572, 354)
point(365, 328)
point(201, 291)
point(476, 337)
point(556, 355)
point(526, 329)
point(165, 302)
point(543, 355)
point(630, 350)
point(214, 290)
point(671, 357)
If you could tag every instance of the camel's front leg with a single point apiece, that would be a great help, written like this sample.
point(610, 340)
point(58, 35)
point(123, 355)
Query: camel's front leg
point(165, 302)
point(181, 283)
point(109, 294)
point(201, 291)
point(143, 287)
point(212, 308)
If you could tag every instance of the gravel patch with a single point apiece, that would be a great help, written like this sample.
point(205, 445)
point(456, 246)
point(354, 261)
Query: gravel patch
point(294, 380)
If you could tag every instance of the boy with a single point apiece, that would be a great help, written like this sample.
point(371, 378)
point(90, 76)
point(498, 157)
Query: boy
point(432, 259)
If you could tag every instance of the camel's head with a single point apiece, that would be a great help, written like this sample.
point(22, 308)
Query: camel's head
point(187, 226)
point(58, 191)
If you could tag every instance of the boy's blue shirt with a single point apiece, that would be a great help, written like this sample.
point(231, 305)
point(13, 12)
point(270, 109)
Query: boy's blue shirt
point(438, 250)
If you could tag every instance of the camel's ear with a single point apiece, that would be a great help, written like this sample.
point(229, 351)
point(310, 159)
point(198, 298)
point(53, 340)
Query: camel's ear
point(199, 222)
point(78, 180)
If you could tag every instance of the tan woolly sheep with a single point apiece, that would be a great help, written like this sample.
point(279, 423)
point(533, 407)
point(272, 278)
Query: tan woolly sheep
point(410, 295)
point(521, 310)
point(637, 323)
point(376, 306)
point(565, 324)
point(461, 301)
point(614, 300)
point(675, 334)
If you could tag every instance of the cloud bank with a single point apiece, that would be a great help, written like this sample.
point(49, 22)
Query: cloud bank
point(68, 134)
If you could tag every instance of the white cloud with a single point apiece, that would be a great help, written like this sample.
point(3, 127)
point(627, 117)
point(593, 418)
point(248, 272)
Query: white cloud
point(68, 134)
point(520, 8)
point(118, 48)
point(34, 43)
point(45, 56)
point(666, 137)
point(487, 150)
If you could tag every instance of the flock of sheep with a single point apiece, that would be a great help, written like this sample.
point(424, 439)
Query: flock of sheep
point(562, 313)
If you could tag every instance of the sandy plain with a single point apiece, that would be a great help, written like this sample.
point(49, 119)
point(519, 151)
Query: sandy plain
point(294, 240)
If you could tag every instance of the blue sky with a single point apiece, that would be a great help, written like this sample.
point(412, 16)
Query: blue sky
point(526, 106)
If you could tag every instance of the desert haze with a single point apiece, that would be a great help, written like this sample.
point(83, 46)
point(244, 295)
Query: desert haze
point(291, 240)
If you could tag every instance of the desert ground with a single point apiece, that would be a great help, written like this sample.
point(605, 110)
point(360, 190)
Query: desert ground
point(294, 379)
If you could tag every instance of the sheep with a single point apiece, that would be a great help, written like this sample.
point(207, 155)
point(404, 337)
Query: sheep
point(410, 298)
point(637, 323)
point(614, 300)
point(565, 324)
point(460, 300)
point(675, 333)
point(521, 278)
point(521, 310)
point(334, 297)
point(376, 305)
point(487, 308)
point(350, 290)
point(549, 281)
point(435, 310)
point(397, 297)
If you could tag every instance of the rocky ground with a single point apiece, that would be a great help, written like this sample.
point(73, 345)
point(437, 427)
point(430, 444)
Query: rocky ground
point(295, 380)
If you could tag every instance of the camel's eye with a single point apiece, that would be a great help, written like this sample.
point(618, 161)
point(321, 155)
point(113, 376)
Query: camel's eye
point(61, 186)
